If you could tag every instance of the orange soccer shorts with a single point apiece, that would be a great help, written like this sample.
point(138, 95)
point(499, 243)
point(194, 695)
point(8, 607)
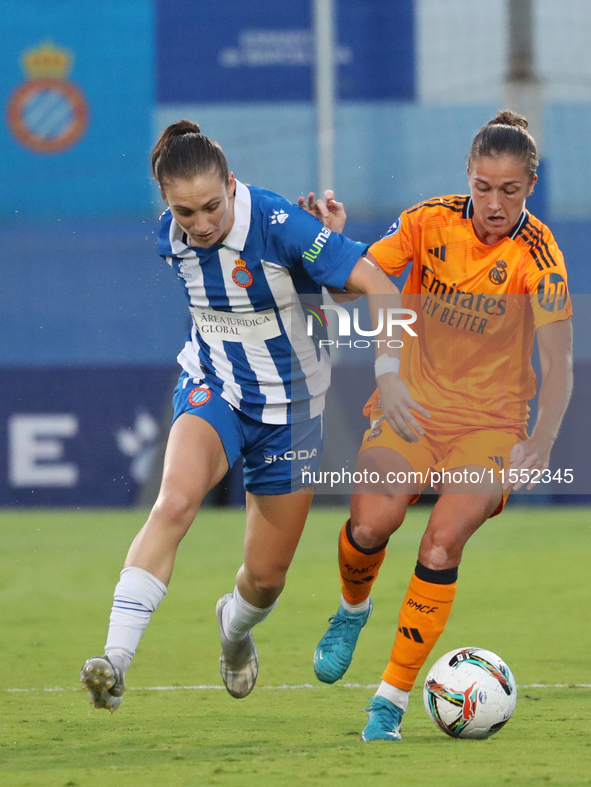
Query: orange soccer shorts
point(445, 447)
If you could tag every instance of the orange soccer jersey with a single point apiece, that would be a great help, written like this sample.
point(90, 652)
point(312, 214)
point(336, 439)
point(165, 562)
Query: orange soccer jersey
point(478, 309)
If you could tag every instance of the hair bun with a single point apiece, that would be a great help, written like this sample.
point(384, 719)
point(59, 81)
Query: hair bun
point(184, 152)
point(506, 135)
point(184, 127)
point(505, 117)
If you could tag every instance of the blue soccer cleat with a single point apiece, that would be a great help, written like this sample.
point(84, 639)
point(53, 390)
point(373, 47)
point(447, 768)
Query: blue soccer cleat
point(335, 650)
point(384, 722)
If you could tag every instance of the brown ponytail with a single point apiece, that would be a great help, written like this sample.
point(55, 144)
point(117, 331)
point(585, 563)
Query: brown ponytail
point(506, 134)
point(183, 152)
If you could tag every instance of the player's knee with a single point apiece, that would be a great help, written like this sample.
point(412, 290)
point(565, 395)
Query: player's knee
point(442, 548)
point(267, 585)
point(176, 509)
point(371, 535)
point(438, 557)
point(374, 521)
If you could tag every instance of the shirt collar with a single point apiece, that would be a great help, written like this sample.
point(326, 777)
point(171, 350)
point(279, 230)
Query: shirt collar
point(469, 213)
point(236, 238)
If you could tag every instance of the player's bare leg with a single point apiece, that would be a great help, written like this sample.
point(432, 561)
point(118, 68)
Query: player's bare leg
point(195, 461)
point(193, 443)
point(378, 510)
point(274, 525)
point(457, 515)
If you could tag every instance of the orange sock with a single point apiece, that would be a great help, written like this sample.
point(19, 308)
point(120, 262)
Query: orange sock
point(359, 567)
point(422, 618)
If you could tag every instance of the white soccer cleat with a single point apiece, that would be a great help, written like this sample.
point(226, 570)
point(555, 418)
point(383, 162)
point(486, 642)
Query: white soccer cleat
point(104, 681)
point(239, 662)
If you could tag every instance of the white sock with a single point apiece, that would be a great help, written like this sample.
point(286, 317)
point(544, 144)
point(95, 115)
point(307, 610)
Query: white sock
point(363, 607)
point(238, 616)
point(396, 696)
point(137, 595)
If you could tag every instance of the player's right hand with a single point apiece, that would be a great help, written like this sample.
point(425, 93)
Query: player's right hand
point(330, 212)
point(396, 404)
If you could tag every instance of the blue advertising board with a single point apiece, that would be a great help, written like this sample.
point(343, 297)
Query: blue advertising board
point(76, 89)
point(81, 435)
point(228, 50)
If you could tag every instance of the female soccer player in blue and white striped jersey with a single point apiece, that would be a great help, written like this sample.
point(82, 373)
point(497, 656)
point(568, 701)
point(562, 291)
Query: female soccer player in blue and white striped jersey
point(252, 384)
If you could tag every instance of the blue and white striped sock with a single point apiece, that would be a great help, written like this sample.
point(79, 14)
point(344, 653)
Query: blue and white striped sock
point(137, 595)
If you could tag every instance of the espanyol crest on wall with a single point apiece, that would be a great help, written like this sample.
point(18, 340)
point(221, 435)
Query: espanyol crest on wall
point(47, 113)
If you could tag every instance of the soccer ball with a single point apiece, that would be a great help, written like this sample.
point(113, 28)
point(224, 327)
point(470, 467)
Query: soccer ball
point(470, 693)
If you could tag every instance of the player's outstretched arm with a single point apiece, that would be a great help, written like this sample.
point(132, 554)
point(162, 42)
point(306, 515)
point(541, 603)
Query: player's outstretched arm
point(330, 212)
point(556, 361)
point(395, 401)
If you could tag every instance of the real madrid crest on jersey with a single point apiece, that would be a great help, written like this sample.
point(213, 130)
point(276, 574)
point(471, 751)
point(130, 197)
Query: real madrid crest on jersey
point(47, 113)
point(241, 275)
point(498, 274)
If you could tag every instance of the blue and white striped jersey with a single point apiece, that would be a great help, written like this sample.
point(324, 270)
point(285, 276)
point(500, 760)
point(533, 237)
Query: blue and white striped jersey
point(249, 341)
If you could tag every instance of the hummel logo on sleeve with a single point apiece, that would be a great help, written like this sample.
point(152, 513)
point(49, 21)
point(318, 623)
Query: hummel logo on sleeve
point(278, 217)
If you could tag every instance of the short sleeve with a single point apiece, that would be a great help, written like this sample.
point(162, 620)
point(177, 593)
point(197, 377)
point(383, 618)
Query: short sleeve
point(296, 239)
point(394, 251)
point(547, 283)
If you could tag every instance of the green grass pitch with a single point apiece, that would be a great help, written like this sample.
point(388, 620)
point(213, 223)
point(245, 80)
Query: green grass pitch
point(524, 592)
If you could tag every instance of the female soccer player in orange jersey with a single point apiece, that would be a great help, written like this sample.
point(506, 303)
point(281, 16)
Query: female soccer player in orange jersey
point(486, 277)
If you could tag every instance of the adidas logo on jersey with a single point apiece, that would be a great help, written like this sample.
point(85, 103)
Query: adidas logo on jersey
point(439, 252)
point(278, 216)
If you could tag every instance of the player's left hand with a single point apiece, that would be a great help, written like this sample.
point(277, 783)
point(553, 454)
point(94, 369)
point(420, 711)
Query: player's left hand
point(528, 455)
point(330, 212)
point(396, 403)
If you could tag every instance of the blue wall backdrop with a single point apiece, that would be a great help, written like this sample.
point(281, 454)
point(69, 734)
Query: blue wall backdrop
point(76, 58)
point(88, 293)
point(91, 320)
point(227, 50)
point(79, 435)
